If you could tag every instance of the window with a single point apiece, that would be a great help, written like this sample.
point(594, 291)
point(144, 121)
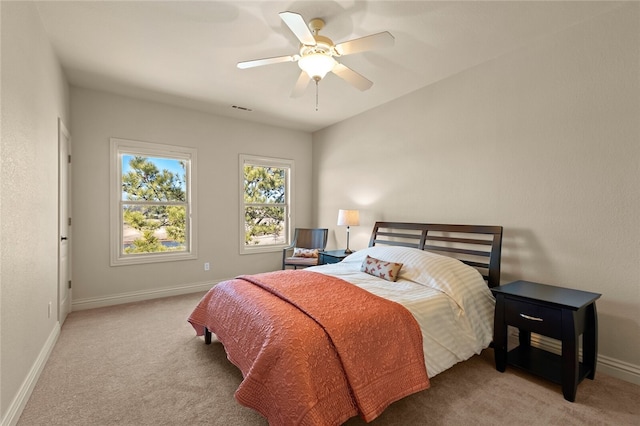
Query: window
point(152, 202)
point(265, 203)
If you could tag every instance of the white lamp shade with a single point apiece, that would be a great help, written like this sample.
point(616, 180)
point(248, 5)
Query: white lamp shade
point(348, 217)
point(316, 65)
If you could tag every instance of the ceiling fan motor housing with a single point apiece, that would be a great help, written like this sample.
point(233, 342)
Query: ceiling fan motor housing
point(316, 24)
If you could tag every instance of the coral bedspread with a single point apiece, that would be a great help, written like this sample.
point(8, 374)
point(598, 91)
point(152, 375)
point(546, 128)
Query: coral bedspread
point(313, 349)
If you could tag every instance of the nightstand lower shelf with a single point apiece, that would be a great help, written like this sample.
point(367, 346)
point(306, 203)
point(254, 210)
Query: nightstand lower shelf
point(541, 363)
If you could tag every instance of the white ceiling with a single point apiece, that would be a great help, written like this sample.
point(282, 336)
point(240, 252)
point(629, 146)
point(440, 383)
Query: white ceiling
point(185, 52)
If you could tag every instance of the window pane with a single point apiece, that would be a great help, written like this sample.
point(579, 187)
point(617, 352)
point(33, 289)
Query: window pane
point(264, 226)
point(153, 229)
point(153, 179)
point(264, 184)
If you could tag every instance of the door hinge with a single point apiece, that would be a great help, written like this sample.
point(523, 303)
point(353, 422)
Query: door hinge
point(69, 159)
point(69, 222)
point(69, 283)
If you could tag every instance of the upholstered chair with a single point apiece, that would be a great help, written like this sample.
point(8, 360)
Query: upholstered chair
point(305, 247)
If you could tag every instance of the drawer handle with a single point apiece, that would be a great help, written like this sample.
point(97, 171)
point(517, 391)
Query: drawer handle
point(531, 318)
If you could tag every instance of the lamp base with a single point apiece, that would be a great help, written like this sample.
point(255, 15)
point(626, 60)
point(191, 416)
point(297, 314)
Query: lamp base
point(347, 251)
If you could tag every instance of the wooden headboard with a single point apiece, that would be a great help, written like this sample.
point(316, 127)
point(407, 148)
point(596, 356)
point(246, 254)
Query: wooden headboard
point(476, 245)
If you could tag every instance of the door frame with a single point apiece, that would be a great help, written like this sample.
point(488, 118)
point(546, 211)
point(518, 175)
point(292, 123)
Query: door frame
point(64, 222)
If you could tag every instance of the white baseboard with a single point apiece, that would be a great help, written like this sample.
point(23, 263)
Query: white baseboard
point(137, 296)
point(619, 369)
point(607, 365)
point(21, 398)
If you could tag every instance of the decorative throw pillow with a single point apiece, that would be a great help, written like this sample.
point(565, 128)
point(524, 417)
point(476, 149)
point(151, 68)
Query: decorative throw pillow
point(303, 252)
point(380, 268)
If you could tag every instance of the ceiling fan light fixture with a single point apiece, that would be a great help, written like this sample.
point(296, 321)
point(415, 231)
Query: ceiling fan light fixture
point(316, 65)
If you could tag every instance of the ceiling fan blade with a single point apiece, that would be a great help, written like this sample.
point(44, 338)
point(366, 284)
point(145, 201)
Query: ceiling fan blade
point(352, 77)
point(267, 61)
point(296, 24)
point(301, 85)
point(374, 41)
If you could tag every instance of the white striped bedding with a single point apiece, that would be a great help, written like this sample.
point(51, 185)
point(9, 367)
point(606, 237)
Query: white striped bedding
point(450, 300)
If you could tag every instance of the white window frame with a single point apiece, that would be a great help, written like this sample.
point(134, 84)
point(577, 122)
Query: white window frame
point(120, 147)
point(289, 212)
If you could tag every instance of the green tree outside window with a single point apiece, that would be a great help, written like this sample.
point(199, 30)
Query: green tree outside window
point(154, 204)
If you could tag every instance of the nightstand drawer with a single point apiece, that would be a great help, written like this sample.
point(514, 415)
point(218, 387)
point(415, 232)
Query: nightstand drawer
point(327, 259)
point(331, 256)
point(532, 317)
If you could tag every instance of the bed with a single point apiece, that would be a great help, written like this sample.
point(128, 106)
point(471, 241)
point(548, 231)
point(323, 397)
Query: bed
point(320, 345)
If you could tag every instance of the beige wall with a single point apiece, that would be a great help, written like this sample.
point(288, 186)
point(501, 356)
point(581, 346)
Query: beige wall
point(34, 96)
point(98, 116)
point(544, 141)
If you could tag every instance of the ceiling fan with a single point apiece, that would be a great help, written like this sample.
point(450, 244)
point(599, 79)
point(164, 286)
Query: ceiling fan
point(317, 53)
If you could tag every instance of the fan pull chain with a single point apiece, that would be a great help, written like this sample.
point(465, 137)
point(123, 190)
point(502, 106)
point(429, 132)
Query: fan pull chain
point(317, 95)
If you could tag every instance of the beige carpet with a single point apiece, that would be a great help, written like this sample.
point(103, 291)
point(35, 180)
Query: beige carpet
point(141, 364)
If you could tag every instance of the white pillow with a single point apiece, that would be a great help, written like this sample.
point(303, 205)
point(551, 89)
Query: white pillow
point(443, 273)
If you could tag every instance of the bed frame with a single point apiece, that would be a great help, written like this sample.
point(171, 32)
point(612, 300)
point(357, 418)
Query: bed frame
point(477, 246)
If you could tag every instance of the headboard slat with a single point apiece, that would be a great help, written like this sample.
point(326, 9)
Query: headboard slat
point(397, 243)
point(457, 250)
point(397, 235)
point(476, 265)
point(460, 240)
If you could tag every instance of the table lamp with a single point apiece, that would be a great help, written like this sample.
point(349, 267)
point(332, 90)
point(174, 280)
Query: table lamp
point(348, 218)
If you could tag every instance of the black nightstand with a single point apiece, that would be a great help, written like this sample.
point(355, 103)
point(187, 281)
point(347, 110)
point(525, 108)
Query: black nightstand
point(556, 312)
point(332, 256)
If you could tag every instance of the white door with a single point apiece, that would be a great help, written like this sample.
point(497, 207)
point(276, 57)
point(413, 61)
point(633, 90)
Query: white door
point(64, 220)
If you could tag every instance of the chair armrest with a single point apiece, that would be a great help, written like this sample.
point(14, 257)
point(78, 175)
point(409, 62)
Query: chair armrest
point(284, 254)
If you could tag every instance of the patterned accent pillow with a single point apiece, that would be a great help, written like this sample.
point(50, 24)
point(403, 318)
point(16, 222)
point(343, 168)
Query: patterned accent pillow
point(380, 268)
point(303, 252)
